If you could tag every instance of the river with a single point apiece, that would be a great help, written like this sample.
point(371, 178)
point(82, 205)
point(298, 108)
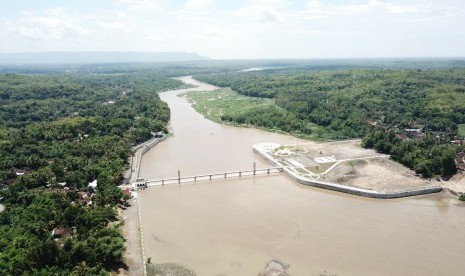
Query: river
point(236, 226)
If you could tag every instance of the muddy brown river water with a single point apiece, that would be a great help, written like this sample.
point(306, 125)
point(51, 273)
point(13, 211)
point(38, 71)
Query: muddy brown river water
point(236, 226)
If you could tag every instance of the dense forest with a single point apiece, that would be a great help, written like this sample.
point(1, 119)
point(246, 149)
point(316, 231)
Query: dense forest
point(359, 103)
point(70, 129)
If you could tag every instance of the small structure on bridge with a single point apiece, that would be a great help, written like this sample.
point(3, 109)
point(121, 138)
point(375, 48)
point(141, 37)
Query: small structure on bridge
point(140, 184)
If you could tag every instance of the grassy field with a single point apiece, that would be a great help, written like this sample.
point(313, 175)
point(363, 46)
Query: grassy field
point(216, 103)
point(168, 269)
point(213, 104)
point(461, 130)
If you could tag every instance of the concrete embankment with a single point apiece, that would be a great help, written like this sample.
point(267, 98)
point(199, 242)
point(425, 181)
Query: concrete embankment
point(343, 188)
point(139, 152)
point(134, 255)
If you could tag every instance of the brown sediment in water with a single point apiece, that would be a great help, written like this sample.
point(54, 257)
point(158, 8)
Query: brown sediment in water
point(275, 268)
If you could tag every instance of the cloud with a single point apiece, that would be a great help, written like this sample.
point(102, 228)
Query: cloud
point(154, 37)
point(265, 11)
point(113, 27)
point(247, 28)
point(198, 5)
point(394, 8)
point(141, 5)
point(211, 31)
point(71, 25)
point(331, 32)
point(55, 24)
point(316, 9)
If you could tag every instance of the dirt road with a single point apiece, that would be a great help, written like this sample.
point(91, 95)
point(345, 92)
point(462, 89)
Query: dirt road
point(133, 255)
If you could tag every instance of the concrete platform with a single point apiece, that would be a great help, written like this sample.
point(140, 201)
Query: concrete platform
point(369, 175)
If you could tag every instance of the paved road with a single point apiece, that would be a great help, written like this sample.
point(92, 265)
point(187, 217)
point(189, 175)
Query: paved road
point(136, 163)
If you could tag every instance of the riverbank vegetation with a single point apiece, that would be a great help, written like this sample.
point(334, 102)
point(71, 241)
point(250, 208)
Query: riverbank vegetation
point(167, 269)
point(227, 106)
point(357, 103)
point(427, 156)
point(58, 132)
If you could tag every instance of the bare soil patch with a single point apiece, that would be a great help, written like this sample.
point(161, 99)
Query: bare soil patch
point(356, 166)
point(380, 174)
point(456, 184)
point(133, 255)
point(339, 149)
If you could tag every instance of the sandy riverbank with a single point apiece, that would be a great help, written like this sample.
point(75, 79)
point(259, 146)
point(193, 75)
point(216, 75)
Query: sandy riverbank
point(456, 184)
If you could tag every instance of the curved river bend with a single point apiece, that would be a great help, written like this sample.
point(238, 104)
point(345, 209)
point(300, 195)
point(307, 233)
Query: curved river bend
point(236, 226)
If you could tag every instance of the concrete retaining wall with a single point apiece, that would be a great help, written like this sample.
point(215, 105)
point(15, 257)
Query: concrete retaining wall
point(347, 189)
point(140, 150)
point(150, 144)
point(146, 147)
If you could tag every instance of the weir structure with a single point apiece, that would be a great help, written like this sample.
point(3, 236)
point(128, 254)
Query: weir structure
point(140, 183)
point(213, 176)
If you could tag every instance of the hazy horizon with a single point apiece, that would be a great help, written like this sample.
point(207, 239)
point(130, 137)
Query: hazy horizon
point(243, 29)
point(239, 58)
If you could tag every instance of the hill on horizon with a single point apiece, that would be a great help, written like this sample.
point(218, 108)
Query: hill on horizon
point(96, 57)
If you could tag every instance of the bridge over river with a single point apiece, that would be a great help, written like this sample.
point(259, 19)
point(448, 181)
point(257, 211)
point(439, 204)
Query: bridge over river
point(212, 176)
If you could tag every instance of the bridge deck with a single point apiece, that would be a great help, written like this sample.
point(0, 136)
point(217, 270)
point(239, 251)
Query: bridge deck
point(213, 176)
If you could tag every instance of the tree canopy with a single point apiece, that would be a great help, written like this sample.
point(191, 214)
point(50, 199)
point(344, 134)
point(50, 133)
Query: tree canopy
point(73, 129)
point(343, 102)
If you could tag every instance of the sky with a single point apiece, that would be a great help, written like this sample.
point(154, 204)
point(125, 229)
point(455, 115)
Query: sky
point(238, 29)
